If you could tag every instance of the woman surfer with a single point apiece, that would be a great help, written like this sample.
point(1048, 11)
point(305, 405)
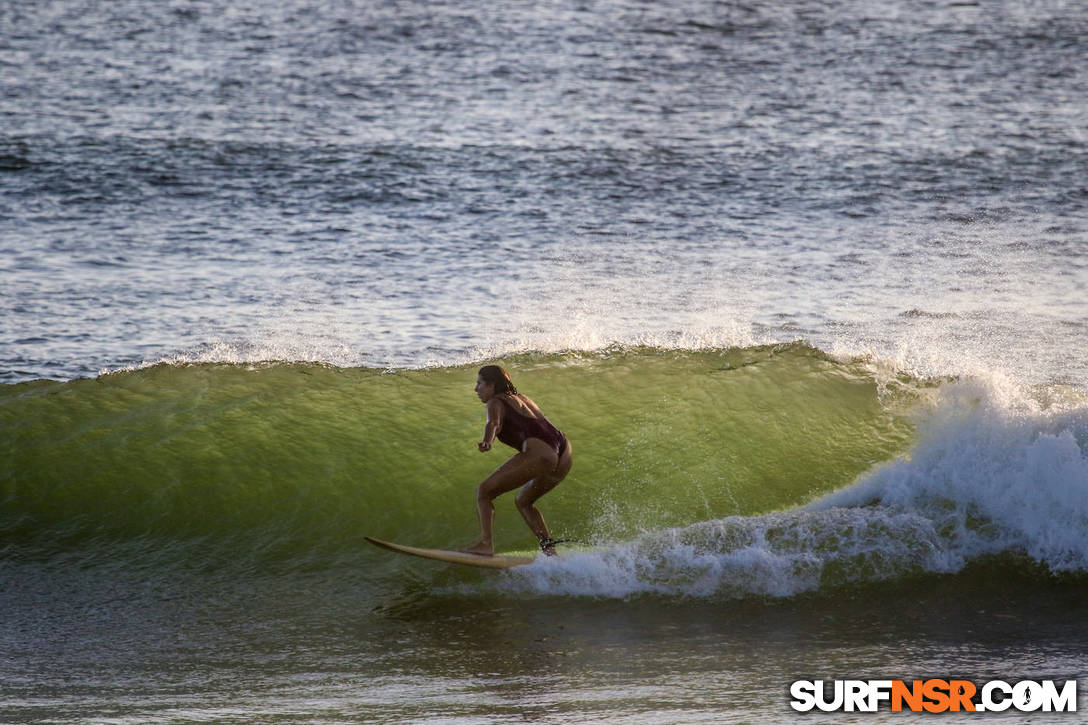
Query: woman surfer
point(542, 461)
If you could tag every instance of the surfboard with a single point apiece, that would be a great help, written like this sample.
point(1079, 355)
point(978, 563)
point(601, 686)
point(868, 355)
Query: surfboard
point(498, 561)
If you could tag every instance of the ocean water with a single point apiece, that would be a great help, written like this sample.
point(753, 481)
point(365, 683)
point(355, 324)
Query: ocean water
point(804, 282)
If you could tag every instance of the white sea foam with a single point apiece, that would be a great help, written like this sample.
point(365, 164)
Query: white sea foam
point(998, 469)
point(773, 555)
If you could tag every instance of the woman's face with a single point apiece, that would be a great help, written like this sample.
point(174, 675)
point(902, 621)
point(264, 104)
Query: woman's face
point(484, 390)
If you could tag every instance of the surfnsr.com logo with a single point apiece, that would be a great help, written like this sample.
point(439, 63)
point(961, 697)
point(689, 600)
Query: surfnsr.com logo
point(934, 695)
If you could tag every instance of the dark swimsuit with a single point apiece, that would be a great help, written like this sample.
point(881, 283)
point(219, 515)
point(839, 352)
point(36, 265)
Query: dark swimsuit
point(516, 427)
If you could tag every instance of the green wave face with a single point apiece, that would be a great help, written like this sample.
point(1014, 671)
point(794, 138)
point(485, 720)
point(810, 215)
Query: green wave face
point(282, 456)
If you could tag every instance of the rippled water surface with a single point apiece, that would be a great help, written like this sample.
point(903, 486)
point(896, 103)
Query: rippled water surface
point(407, 183)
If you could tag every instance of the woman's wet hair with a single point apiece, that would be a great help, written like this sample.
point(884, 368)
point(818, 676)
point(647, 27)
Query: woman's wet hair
point(499, 378)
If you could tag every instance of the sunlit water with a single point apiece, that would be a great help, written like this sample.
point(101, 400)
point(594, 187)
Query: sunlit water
point(414, 184)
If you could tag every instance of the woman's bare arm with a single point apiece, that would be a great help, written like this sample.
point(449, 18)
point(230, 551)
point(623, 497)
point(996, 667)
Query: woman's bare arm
point(493, 425)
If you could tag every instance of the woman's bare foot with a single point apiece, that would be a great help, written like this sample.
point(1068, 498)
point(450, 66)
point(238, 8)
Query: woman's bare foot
point(480, 547)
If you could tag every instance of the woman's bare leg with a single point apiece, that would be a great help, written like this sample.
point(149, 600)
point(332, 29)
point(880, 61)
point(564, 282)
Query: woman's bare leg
point(533, 490)
point(522, 468)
